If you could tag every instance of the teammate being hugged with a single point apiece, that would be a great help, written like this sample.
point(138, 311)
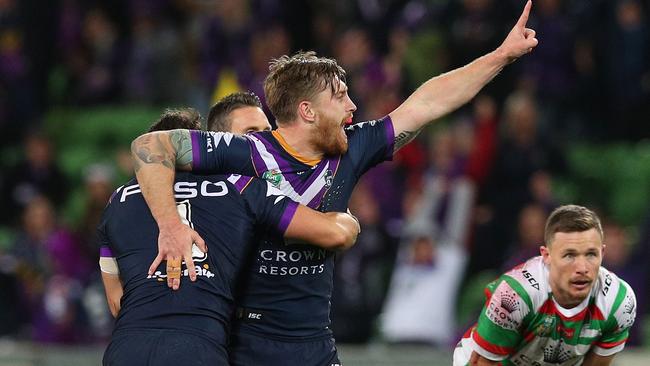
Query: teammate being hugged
point(560, 308)
point(156, 326)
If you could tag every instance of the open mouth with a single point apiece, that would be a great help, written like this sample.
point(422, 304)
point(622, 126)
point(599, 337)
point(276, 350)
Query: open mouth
point(580, 284)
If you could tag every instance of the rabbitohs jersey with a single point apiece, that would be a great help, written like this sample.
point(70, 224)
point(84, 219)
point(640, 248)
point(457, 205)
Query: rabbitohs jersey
point(521, 323)
point(288, 287)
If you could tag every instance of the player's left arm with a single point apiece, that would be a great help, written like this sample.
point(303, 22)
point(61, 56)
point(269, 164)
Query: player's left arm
point(617, 326)
point(496, 338)
point(447, 92)
point(114, 291)
point(275, 211)
point(108, 266)
point(592, 359)
point(330, 230)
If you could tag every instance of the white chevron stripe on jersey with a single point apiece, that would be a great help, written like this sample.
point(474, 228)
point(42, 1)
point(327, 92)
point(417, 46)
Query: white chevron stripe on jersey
point(233, 178)
point(316, 186)
point(285, 186)
point(217, 137)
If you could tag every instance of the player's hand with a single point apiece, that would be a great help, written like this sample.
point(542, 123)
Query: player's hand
point(520, 40)
point(356, 219)
point(175, 245)
point(478, 360)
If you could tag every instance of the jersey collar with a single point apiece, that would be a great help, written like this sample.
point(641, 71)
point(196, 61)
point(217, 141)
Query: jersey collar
point(292, 152)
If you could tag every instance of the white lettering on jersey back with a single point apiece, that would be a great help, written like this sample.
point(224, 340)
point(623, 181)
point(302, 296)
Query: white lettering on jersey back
point(129, 190)
point(506, 308)
point(208, 189)
point(184, 209)
point(185, 190)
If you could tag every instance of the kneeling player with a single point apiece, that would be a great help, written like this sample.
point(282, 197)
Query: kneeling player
point(560, 308)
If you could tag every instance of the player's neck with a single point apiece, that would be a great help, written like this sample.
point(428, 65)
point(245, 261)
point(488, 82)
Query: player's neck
point(299, 141)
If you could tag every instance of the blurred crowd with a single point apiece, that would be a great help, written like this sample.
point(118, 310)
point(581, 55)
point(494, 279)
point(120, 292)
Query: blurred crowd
point(463, 202)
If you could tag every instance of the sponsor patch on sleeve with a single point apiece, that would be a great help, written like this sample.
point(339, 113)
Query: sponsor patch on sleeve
point(506, 308)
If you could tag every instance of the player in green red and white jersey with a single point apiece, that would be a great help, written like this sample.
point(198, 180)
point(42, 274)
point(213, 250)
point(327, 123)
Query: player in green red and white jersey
point(561, 308)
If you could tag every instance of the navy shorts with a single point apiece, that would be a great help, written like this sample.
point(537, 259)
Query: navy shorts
point(162, 348)
point(253, 350)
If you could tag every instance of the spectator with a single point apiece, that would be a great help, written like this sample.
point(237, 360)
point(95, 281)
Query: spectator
point(432, 256)
point(362, 273)
point(97, 190)
point(621, 257)
point(530, 235)
point(155, 58)
point(52, 272)
point(38, 174)
point(627, 69)
point(96, 67)
point(521, 153)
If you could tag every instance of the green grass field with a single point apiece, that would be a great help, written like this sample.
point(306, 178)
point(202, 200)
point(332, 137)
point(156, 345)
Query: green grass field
point(21, 354)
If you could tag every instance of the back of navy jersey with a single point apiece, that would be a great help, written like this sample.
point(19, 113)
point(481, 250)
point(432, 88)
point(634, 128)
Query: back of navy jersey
point(225, 219)
point(289, 285)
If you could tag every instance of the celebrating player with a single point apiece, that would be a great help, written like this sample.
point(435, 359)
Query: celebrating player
point(558, 308)
point(158, 327)
point(314, 160)
point(239, 113)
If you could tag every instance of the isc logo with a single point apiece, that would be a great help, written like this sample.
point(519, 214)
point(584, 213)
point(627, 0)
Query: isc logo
point(184, 189)
point(255, 316)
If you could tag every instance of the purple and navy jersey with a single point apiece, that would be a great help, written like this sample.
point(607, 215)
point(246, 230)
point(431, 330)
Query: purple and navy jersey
point(289, 285)
point(224, 216)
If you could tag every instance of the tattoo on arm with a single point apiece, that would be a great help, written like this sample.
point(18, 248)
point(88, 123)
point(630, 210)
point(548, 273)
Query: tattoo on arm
point(170, 149)
point(404, 138)
point(182, 143)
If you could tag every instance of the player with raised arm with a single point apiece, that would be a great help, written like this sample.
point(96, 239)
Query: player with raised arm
point(315, 160)
point(156, 326)
point(561, 308)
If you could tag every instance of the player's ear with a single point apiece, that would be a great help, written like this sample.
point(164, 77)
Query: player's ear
point(546, 254)
point(306, 111)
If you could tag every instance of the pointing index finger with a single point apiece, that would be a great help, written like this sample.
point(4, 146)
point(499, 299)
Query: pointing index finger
point(523, 19)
